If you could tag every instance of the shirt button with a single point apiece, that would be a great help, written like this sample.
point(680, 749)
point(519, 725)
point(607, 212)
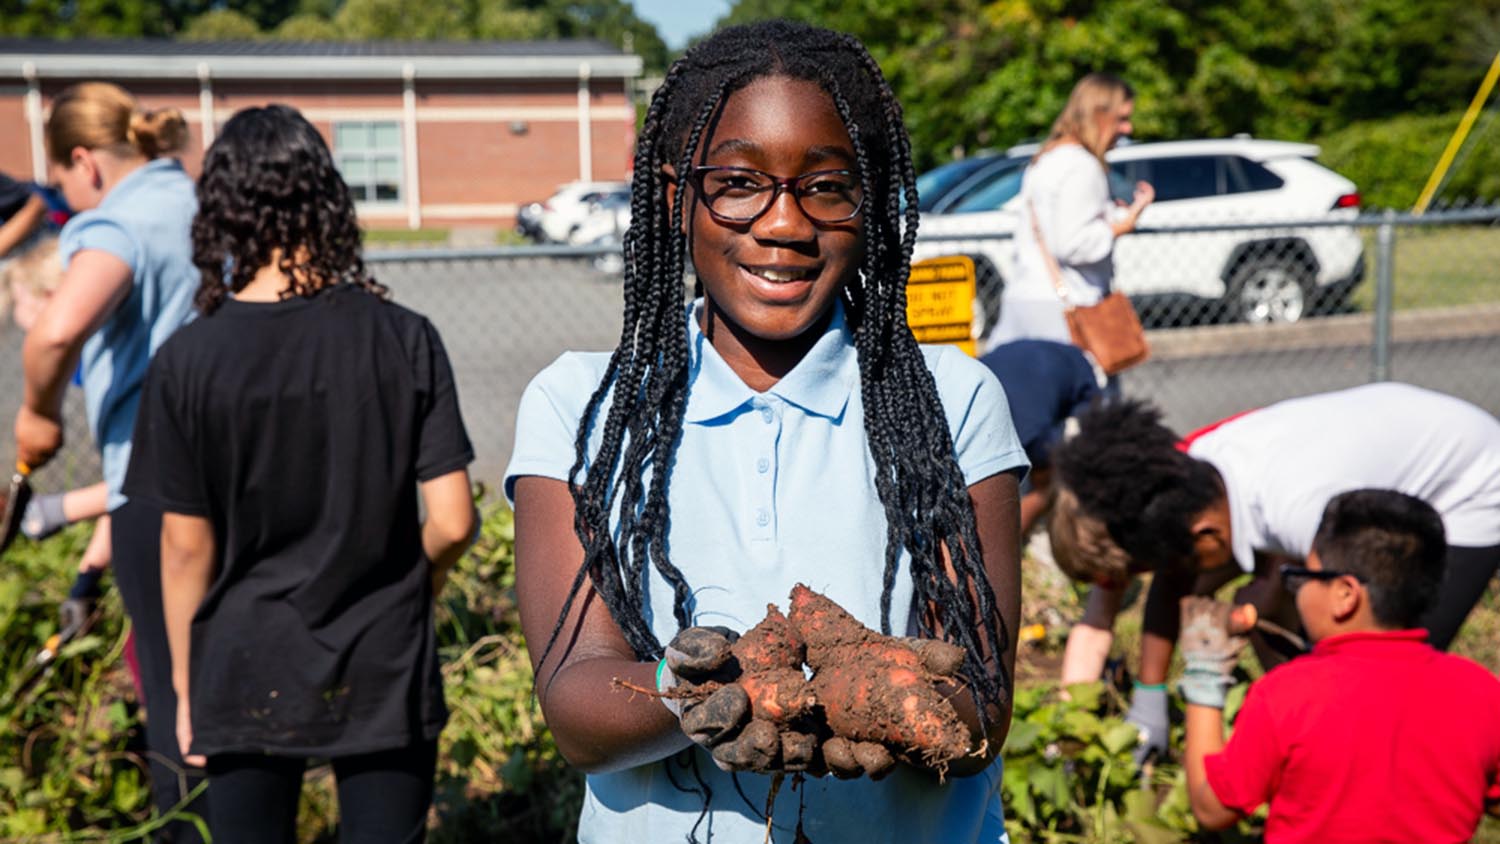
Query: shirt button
point(766, 414)
point(763, 465)
point(762, 517)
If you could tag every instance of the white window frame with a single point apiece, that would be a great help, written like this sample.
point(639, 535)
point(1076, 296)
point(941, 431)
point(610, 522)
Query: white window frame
point(369, 154)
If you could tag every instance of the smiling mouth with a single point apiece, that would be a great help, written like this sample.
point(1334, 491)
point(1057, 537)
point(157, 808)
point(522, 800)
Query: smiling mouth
point(783, 275)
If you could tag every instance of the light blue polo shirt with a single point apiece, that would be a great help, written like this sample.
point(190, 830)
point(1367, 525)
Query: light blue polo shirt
point(769, 490)
point(146, 221)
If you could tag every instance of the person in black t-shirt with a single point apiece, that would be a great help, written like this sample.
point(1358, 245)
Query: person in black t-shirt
point(286, 435)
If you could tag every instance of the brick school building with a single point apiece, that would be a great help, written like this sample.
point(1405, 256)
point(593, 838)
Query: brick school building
point(426, 133)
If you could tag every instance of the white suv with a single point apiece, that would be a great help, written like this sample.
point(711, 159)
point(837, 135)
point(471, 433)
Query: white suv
point(1255, 274)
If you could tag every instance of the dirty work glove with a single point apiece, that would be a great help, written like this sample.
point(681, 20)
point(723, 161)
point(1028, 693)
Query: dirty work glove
point(1148, 712)
point(719, 723)
point(43, 516)
point(1208, 650)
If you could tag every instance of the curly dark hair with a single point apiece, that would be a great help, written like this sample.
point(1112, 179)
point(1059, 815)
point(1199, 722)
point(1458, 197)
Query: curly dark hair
point(1127, 471)
point(918, 479)
point(269, 184)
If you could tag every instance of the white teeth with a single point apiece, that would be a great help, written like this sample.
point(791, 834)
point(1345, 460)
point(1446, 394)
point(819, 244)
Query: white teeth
point(781, 275)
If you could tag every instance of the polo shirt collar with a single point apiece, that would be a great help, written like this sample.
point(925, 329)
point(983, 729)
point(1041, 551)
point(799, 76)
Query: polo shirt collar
point(1370, 638)
point(135, 179)
point(820, 384)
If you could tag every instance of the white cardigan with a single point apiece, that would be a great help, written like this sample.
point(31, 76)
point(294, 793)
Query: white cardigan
point(1070, 194)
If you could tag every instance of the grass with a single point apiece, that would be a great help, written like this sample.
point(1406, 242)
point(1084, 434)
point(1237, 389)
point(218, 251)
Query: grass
point(406, 236)
point(1437, 266)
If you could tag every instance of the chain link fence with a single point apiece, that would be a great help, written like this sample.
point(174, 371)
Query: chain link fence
point(1240, 315)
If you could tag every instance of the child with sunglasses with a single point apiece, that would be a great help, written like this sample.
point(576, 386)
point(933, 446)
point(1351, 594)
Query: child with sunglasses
point(1345, 743)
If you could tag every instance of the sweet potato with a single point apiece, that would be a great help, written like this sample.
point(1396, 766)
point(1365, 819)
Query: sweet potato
point(773, 643)
point(778, 695)
point(874, 688)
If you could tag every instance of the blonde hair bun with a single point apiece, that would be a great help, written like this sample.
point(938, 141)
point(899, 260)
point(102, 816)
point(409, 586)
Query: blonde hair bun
point(157, 132)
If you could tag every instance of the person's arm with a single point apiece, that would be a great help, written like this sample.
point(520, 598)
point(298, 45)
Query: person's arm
point(1091, 638)
point(1160, 624)
point(99, 551)
point(1144, 195)
point(1035, 503)
point(86, 502)
point(187, 568)
point(449, 528)
point(597, 728)
point(13, 232)
point(996, 502)
point(1076, 228)
point(1205, 736)
point(94, 285)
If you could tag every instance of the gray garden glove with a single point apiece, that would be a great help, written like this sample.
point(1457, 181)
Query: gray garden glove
point(721, 722)
point(1209, 651)
point(1148, 712)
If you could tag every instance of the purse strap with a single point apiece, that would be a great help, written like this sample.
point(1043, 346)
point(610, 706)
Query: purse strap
point(1048, 259)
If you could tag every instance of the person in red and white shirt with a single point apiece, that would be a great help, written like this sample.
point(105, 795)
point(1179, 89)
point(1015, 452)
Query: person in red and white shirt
point(1375, 736)
point(1243, 496)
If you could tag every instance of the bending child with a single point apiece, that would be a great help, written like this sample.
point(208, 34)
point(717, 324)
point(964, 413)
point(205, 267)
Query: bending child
point(1242, 497)
point(785, 427)
point(286, 435)
point(1344, 743)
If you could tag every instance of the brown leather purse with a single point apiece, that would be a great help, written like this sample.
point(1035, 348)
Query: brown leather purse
point(1109, 330)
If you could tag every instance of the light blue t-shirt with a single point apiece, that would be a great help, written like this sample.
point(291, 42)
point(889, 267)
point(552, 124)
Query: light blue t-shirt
point(146, 221)
point(769, 490)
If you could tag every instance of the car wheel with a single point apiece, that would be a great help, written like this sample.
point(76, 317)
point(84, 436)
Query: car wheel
point(988, 285)
point(1269, 291)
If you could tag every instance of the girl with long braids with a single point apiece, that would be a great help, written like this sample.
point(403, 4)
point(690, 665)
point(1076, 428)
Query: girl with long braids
point(784, 427)
point(286, 436)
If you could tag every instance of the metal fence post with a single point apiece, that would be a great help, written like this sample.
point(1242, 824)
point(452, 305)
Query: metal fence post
point(1385, 271)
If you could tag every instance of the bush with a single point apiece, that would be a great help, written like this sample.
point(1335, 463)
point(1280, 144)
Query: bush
point(1391, 160)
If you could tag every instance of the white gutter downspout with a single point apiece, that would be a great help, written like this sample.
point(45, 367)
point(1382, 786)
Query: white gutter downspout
point(206, 106)
point(35, 123)
point(409, 142)
point(585, 126)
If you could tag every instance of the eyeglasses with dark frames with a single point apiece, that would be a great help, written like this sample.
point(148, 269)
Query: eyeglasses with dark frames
point(743, 194)
point(1295, 577)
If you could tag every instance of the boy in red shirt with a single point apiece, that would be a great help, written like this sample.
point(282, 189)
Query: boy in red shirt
point(1373, 737)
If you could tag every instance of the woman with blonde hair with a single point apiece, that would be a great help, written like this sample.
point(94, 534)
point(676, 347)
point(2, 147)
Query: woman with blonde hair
point(1067, 210)
point(128, 283)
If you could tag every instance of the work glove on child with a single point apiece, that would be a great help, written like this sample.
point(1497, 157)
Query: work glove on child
point(721, 722)
point(1148, 712)
point(1209, 651)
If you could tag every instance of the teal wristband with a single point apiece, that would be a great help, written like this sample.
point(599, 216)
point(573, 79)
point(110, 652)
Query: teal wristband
point(1151, 687)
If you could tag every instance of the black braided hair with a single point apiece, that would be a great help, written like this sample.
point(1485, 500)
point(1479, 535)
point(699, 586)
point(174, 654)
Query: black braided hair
point(1127, 471)
point(917, 477)
point(269, 183)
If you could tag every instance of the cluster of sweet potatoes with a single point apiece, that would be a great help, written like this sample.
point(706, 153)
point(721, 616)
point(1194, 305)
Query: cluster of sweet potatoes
point(863, 701)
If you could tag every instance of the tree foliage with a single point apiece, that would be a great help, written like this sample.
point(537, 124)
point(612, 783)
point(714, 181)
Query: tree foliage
point(990, 73)
point(611, 21)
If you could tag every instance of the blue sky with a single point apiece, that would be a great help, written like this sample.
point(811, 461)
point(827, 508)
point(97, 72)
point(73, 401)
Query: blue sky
point(679, 20)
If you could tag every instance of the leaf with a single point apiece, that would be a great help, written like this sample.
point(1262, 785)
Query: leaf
point(1022, 737)
point(1119, 738)
point(1086, 695)
point(1081, 725)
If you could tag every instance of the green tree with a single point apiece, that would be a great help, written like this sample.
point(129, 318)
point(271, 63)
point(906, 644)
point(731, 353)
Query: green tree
point(307, 26)
point(221, 25)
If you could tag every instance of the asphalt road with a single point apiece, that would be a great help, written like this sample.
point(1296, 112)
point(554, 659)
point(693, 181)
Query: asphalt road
point(503, 321)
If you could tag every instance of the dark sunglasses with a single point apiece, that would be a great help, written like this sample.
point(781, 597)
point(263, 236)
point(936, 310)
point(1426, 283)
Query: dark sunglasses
point(742, 194)
point(1294, 577)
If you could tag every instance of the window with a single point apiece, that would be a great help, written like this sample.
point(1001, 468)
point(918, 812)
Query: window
point(368, 154)
point(1183, 177)
point(1246, 176)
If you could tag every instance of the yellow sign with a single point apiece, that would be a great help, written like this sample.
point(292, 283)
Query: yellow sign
point(940, 301)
